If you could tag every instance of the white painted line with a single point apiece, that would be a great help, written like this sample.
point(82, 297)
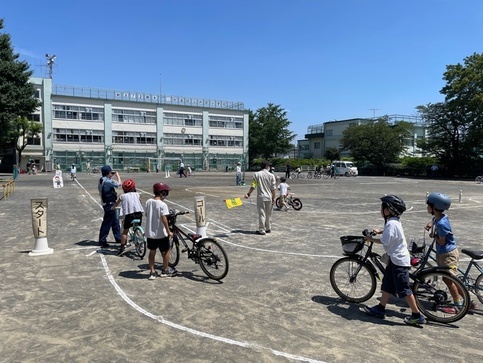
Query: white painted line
point(162, 320)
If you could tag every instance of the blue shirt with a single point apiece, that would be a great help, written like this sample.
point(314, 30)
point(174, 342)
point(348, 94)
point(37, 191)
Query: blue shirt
point(443, 229)
point(106, 189)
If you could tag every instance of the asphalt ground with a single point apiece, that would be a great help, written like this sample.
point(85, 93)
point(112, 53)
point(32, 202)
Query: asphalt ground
point(84, 304)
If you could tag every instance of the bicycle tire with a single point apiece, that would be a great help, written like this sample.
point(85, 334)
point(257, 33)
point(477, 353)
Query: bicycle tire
point(278, 203)
point(296, 204)
point(326, 176)
point(212, 259)
point(301, 176)
point(139, 242)
point(173, 251)
point(478, 180)
point(352, 288)
point(318, 176)
point(336, 176)
point(293, 176)
point(433, 297)
point(309, 175)
point(479, 288)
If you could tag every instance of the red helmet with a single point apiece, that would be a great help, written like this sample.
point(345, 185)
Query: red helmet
point(128, 185)
point(159, 187)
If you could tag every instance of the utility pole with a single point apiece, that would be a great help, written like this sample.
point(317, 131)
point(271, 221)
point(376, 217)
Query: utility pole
point(50, 63)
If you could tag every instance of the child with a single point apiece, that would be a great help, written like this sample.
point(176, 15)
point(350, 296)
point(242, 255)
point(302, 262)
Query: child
point(157, 230)
point(284, 188)
point(131, 209)
point(396, 276)
point(446, 252)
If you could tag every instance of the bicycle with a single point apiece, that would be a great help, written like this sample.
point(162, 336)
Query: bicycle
point(136, 238)
point(479, 179)
point(315, 175)
point(421, 256)
point(297, 175)
point(353, 278)
point(205, 251)
point(295, 203)
point(328, 174)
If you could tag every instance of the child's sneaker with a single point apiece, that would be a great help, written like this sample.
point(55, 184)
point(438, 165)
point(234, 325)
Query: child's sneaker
point(375, 311)
point(410, 320)
point(153, 275)
point(455, 309)
point(170, 272)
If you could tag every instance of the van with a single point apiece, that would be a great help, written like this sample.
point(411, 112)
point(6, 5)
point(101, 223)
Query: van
point(346, 168)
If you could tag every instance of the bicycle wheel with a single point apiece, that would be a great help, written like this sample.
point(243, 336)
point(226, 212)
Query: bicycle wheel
point(296, 204)
point(479, 288)
point(336, 176)
point(293, 176)
point(173, 251)
point(139, 242)
point(278, 202)
point(318, 176)
point(212, 258)
point(301, 176)
point(352, 280)
point(478, 179)
point(326, 176)
point(309, 175)
point(433, 296)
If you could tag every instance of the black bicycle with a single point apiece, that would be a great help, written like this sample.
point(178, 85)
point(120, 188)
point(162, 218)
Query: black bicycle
point(205, 251)
point(295, 203)
point(353, 278)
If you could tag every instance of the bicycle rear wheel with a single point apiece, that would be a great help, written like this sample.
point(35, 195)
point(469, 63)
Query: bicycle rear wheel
point(336, 176)
point(309, 175)
point(326, 176)
point(433, 296)
point(173, 251)
point(296, 204)
point(212, 258)
point(479, 288)
point(352, 280)
point(278, 202)
point(139, 242)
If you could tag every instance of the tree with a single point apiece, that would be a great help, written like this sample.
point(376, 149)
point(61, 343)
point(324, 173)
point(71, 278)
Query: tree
point(16, 93)
point(25, 130)
point(377, 141)
point(331, 153)
point(455, 126)
point(268, 132)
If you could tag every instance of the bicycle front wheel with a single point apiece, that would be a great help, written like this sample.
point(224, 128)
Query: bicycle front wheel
point(309, 176)
point(296, 204)
point(336, 176)
point(139, 242)
point(479, 288)
point(352, 280)
point(213, 259)
point(326, 176)
point(433, 296)
point(173, 251)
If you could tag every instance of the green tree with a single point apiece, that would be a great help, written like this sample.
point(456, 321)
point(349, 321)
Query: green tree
point(331, 153)
point(24, 130)
point(377, 142)
point(268, 132)
point(16, 93)
point(455, 126)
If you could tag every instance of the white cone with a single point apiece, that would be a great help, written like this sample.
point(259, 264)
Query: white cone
point(41, 247)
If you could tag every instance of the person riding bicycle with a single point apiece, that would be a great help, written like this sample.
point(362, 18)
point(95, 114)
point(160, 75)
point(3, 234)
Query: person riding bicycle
point(131, 209)
point(157, 230)
point(284, 188)
point(396, 275)
point(447, 254)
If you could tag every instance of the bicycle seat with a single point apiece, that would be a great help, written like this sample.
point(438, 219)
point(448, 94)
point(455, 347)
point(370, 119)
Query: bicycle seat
point(193, 236)
point(475, 254)
point(136, 221)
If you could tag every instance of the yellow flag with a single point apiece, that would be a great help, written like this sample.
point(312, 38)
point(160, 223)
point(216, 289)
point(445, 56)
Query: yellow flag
point(234, 202)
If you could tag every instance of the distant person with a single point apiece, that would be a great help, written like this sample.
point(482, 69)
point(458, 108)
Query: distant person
point(265, 183)
point(131, 209)
point(88, 167)
point(238, 173)
point(181, 170)
point(107, 190)
point(188, 170)
point(15, 171)
point(288, 169)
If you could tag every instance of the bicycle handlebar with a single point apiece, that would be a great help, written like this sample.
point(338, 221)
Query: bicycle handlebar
point(366, 233)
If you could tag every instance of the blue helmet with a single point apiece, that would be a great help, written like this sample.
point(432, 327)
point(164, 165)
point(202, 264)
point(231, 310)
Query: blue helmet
point(439, 201)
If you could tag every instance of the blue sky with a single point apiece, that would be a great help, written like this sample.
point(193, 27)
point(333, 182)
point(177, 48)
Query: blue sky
point(319, 60)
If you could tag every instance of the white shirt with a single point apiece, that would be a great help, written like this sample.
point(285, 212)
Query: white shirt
point(155, 209)
point(130, 203)
point(395, 243)
point(283, 188)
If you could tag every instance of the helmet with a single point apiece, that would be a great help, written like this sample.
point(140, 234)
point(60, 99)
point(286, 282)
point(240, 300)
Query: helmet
point(159, 187)
point(440, 201)
point(128, 185)
point(105, 170)
point(73, 164)
point(395, 204)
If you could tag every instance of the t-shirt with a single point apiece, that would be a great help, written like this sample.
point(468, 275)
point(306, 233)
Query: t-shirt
point(130, 203)
point(283, 188)
point(155, 209)
point(443, 228)
point(395, 244)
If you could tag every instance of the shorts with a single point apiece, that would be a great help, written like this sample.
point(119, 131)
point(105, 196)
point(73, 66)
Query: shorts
point(128, 218)
point(449, 259)
point(161, 243)
point(396, 281)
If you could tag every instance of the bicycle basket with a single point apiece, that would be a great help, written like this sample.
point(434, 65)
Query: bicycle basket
point(352, 244)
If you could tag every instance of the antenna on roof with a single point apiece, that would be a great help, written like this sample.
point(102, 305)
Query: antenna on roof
point(50, 63)
point(374, 111)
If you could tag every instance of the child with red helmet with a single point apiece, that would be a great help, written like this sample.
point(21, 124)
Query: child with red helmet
point(157, 230)
point(131, 209)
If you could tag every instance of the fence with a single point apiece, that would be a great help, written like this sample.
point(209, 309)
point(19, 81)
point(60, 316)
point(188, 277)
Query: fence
point(8, 187)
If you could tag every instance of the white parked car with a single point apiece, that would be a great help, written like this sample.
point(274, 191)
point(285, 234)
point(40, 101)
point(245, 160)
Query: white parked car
point(346, 168)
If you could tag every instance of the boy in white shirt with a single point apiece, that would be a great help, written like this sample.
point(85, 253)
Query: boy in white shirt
point(157, 230)
point(284, 188)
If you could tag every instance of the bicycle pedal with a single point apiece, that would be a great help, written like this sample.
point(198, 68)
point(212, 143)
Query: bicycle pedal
point(184, 250)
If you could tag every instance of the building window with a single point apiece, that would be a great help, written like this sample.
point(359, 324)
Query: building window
point(129, 137)
point(133, 116)
point(66, 112)
point(329, 132)
point(34, 117)
point(34, 140)
point(317, 145)
point(226, 122)
point(182, 119)
point(76, 135)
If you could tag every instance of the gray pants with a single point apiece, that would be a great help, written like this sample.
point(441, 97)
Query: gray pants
point(264, 215)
